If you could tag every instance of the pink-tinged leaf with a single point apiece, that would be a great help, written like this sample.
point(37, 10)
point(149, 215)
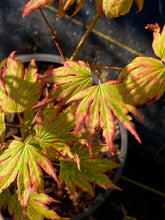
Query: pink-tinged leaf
point(71, 78)
point(109, 103)
point(159, 40)
point(142, 81)
point(37, 207)
point(92, 170)
point(20, 89)
point(116, 8)
point(23, 161)
point(34, 5)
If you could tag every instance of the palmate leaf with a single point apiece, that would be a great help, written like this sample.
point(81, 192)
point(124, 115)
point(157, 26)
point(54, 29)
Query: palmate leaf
point(20, 88)
point(97, 107)
point(71, 78)
point(22, 161)
point(33, 5)
point(36, 208)
point(92, 170)
point(142, 81)
point(158, 41)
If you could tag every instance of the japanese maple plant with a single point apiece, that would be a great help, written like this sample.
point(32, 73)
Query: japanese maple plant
point(59, 113)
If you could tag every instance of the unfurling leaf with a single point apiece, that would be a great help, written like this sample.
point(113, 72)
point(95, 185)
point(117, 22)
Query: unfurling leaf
point(22, 161)
point(142, 81)
point(158, 41)
point(33, 5)
point(20, 88)
point(92, 170)
point(73, 77)
point(116, 8)
point(97, 107)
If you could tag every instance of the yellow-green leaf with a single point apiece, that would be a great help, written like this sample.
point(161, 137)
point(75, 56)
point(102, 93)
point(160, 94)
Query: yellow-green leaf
point(2, 127)
point(142, 81)
point(20, 88)
point(22, 161)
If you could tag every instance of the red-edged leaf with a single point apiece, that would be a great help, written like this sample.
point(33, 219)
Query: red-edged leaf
point(23, 161)
point(96, 109)
point(92, 170)
point(73, 77)
point(142, 81)
point(158, 41)
point(37, 208)
point(33, 5)
point(20, 88)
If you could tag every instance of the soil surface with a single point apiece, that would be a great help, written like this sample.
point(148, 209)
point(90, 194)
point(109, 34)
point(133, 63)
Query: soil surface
point(146, 162)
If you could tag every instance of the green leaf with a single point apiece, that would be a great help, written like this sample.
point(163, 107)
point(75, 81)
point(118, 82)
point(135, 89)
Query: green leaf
point(158, 41)
point(92, 170)
point(97, 107)
point(20, 89)
point(142, 81)
point(22, 161)
point(71, 78)
point(2, 127)
point(33, 5)
point(4, 199)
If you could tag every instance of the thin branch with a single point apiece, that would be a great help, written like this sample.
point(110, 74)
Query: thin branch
point(95, 66)
point(53, 35)
point(88, 31)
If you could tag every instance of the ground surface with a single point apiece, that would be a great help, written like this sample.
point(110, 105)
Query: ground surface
point(145, 163)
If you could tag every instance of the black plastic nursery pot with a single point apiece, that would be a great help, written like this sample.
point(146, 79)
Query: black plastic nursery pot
point(55, 59)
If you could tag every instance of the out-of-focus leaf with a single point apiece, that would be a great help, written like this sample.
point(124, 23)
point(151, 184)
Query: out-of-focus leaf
point(20, 88)
point(4, 199)
point(23, 161)
point(33, 5)
point(142, 81)
point(36, 209)
point(2, 127)
point(158, 41)
point(92, 170)
point(116, 8)
point(71, 78)
point(54, 130)
point(97, 107)
point(14, 207)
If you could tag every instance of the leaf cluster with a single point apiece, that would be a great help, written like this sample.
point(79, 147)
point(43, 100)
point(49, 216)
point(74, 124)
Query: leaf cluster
point(59, 113)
